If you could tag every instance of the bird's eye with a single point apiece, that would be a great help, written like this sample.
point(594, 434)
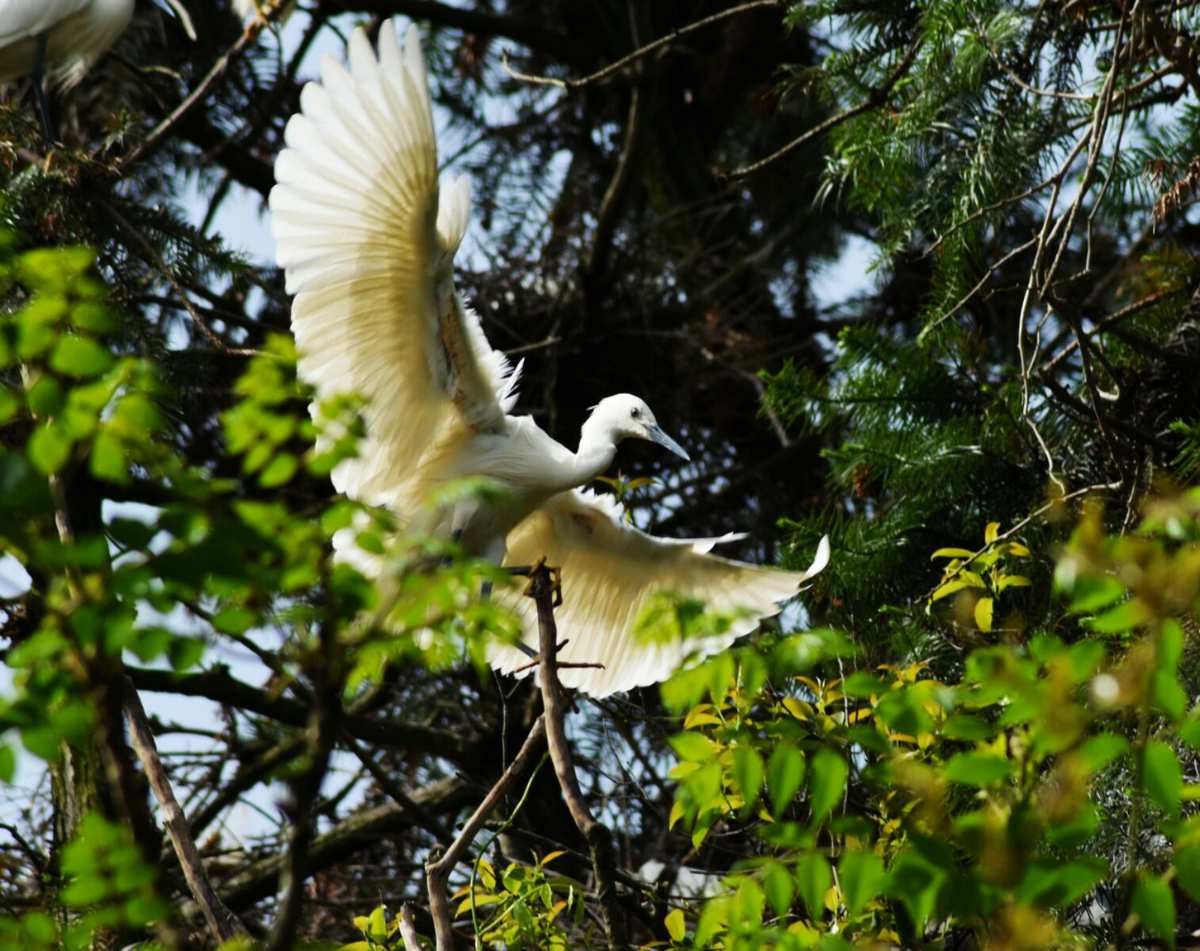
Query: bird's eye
point(635, 412)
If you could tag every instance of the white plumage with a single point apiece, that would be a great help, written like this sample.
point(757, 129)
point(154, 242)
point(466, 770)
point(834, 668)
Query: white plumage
point(367, 243)
point(62, 39)
point(78, 33)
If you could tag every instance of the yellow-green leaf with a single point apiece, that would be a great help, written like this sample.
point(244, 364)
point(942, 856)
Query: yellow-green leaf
point(951, 553)
point(991, 532)
point(983, 613)
point(675, 925)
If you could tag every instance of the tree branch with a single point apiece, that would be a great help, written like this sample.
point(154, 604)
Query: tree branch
point(874, 99)
point(597, 835)
point(223, 924)
point(438, 868)
point(217, 685)
point(570, 85)
point(360, 831)
point(149, 145)
point(526, 32)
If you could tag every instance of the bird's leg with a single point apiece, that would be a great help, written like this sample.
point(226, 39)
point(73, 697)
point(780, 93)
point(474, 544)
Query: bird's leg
point(39, 90)
point(528, 571)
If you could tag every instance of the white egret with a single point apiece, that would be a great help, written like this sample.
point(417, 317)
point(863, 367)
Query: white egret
point(62, 40)
point(367, 240)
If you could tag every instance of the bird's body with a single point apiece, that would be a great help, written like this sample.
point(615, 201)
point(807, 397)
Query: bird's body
point(77, 33)
point(367, 240)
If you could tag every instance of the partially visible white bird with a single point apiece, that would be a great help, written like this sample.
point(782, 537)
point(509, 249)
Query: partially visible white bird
point(63, 39)
point(367, 241)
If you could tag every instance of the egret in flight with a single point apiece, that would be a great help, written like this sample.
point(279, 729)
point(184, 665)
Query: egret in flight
point(367, 240)
point(62, 40)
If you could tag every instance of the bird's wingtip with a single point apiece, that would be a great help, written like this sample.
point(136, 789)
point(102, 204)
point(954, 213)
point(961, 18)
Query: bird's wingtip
point(820, 559)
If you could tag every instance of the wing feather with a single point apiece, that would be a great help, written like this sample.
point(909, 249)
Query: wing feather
point(609, 572)
point(366, 243)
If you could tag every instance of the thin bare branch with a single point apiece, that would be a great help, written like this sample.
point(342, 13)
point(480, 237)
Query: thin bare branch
point(158, 135)
point(570, 85)
point(222, 922)
point(875, 98)
point(439, 867)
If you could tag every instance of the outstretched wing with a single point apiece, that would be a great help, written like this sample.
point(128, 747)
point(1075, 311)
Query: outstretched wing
point(609, 572)
point(367, 244)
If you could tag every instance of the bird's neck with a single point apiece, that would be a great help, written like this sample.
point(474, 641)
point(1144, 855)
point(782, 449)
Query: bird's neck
point(597, 449)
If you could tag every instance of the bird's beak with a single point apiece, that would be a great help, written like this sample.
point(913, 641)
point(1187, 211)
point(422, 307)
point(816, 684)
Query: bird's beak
point(176, 9)
point(654, 434)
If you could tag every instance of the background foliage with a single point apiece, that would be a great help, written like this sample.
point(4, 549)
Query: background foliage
point(983, 734)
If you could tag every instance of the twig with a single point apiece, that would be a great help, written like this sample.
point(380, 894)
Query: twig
point(875, 98)
point(222, 922)
point(596, 266)
point(1057, 500)
point(597, 835)
point(438, 868)
point(570, 85)
point(421, 816)
point(1109, 319)
point(156, 259)
point(408, 930)
point(158, 134)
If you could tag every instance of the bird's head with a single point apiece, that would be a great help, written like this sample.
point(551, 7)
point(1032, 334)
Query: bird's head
point(625, 416)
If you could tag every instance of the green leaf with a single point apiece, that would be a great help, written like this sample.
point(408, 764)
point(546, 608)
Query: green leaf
point(813, 878)
point(1162, 779)
point(1054, 884)
point(1154, 904)
point(826, 783)
point(1124, 617)
point(978, 769)
point(966, 726)
point(1090, 594)
point(8, 763)
point(785, 772)
point(1168, 695)
point(675, 925)
point(861, 875)
point(748, 773)
point(49, 448)
point(951, 553)
point(1190, 732)
point(108, 458)
point(234, 620)
point(377, 929)
point(693, 747)
point(79, 357)
point(863, 684)
point(1102, 749)
point(279, 470)
point(779, 887)
point(915, 884)
point(1187, 870)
